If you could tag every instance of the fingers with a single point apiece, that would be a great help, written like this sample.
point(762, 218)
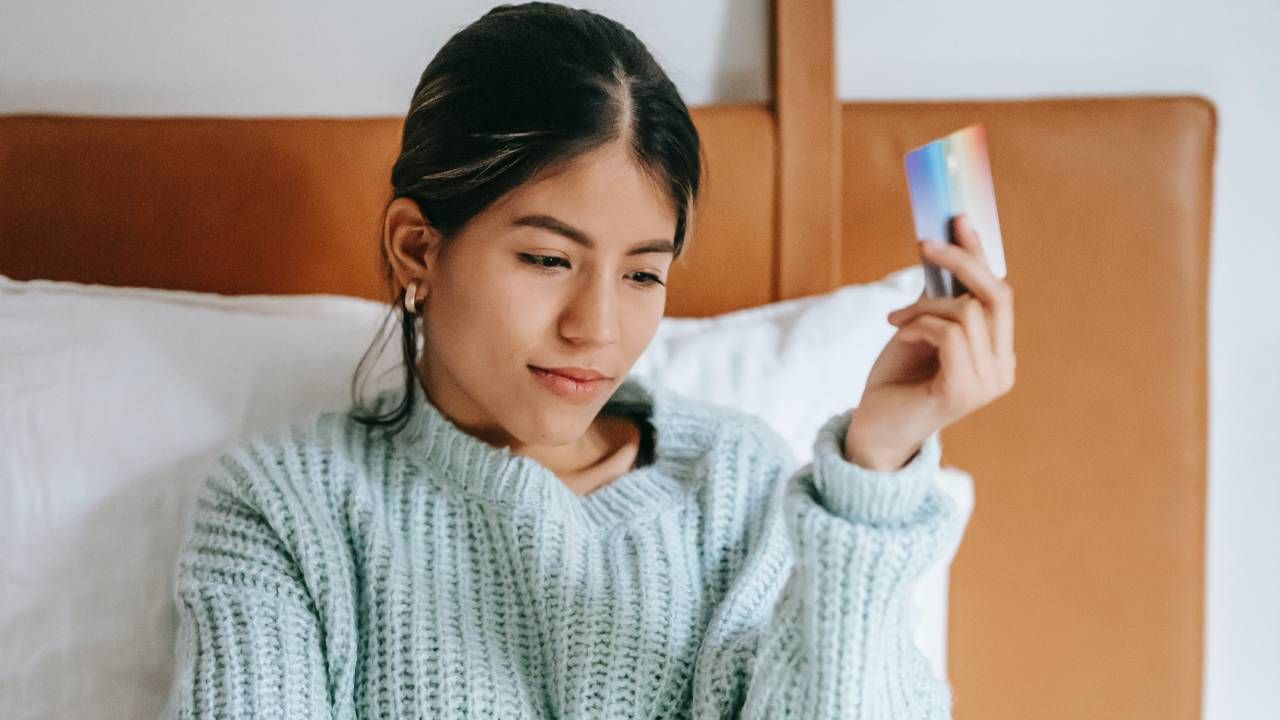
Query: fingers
point(1000, 293)
point(956, 380)
point(966, 235)
point(973, 333)
point(968, 262)
point(969, 313)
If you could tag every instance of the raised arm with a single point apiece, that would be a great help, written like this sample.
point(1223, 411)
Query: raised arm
point(817, 625)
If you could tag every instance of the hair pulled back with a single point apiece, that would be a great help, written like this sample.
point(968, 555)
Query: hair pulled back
point(525, 90)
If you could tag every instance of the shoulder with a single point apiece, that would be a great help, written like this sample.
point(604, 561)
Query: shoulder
point(297, 469)
point(269, 505)
point(696, 426)
point(740, 456)
point(718, 429)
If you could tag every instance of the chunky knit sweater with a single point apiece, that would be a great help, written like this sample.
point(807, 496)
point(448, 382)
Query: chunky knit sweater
point(332, 570)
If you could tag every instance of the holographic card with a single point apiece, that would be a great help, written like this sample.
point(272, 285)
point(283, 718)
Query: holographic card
point(948, 177)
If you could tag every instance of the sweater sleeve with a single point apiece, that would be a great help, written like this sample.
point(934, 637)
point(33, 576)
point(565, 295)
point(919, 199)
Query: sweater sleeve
point(249, 642)
point(817, 624)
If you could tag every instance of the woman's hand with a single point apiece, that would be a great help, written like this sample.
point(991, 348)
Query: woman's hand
point(949, 357)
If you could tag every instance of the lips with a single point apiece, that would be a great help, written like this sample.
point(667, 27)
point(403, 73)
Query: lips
point(568, 388)
point(577, 374)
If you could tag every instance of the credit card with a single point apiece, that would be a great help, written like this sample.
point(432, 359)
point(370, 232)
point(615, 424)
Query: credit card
point(948, 177)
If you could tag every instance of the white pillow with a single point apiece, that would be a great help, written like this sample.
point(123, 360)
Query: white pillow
point(115, 401)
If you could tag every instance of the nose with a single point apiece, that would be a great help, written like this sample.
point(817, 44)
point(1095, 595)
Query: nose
point(592, 314)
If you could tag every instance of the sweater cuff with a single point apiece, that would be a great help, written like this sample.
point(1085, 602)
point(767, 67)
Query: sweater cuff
point(865, 495)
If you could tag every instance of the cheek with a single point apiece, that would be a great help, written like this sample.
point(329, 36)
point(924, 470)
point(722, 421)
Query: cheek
point(478, 321)
point(520, 314)
point(641, 325)
point(515, 314)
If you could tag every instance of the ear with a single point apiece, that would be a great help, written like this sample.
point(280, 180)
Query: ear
point(411, 243)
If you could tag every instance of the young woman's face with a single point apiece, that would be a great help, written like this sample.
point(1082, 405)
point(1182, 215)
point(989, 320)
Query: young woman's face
point(514, 290)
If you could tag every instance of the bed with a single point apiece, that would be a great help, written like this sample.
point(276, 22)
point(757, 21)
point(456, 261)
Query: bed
point(1079, 588)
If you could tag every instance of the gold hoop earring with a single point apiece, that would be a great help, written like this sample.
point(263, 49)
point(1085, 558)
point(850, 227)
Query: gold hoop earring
point(411, 298)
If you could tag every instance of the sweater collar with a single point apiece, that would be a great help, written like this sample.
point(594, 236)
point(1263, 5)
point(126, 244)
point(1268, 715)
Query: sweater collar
point(515, 482)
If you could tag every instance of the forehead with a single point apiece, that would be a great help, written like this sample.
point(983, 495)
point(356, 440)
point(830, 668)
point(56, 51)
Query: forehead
point(604, 187)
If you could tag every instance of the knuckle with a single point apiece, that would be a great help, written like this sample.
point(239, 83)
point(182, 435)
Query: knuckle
point(953, 333)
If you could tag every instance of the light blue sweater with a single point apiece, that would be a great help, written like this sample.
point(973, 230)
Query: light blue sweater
point(334, 572)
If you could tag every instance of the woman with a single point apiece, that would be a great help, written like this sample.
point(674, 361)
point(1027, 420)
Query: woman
point(513, 542)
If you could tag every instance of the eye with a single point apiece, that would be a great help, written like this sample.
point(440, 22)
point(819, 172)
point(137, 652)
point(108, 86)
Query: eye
point(540, 262)
point(550, 264)
point(650, 279)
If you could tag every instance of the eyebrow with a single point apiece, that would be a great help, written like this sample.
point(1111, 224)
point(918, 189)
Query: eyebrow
point(547, 222)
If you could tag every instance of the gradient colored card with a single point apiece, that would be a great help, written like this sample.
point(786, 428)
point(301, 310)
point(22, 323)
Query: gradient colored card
point(948, 177)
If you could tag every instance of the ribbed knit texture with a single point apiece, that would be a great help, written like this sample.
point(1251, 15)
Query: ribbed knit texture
point(331, 571)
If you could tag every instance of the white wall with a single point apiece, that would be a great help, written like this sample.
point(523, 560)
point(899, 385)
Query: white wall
point(273, 57)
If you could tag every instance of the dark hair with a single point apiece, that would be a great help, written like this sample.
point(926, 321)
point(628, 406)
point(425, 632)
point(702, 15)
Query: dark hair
point(524, 90)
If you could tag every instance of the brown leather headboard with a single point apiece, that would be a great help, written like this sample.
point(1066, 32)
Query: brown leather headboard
point(1078, 589)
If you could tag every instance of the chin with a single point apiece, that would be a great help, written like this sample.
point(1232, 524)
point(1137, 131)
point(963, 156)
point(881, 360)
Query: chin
point(552, 426)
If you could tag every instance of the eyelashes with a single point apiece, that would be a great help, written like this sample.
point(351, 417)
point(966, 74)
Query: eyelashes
point(540, 262)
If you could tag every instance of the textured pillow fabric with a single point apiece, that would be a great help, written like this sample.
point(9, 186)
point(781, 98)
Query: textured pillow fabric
point(115, 401)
